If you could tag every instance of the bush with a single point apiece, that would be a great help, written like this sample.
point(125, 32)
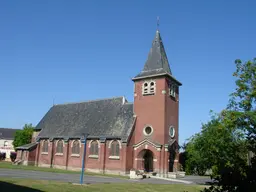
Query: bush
point(2, 156)
point(13, 156)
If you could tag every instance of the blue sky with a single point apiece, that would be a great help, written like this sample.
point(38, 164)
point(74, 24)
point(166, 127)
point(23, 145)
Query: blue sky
point(73, 51)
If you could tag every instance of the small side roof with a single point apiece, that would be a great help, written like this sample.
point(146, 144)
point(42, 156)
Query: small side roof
point(27, 146)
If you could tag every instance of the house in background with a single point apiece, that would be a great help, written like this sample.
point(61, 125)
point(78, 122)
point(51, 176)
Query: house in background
point(6, 139)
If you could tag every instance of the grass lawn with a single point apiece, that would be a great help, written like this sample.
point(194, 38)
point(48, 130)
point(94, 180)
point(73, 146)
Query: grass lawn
point(22, 185)
point(9, 165)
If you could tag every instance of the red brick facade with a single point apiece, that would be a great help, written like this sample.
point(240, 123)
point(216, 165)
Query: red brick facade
point(159, 111)
point(150, 143)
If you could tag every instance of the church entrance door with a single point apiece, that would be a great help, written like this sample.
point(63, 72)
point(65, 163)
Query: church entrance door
point(148, 161)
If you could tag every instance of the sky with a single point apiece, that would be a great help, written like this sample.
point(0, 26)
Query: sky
point(70, 51)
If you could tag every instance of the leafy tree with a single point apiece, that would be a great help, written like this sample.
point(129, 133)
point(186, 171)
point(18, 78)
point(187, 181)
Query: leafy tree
point(23, 136)
point(213, 144)
point(240, 114)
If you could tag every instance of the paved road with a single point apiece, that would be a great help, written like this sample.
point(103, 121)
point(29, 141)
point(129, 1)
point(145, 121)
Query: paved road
point(202, 180)
point(75, 178)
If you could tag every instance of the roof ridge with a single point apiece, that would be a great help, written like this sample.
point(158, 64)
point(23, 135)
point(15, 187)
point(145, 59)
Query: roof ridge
point(88, 101)
point(9, 128)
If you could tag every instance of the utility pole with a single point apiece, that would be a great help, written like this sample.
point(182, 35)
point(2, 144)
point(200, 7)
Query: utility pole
point(83, 160)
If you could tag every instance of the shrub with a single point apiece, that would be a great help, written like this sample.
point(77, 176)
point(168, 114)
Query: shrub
point(2, 156)
point(13, 156)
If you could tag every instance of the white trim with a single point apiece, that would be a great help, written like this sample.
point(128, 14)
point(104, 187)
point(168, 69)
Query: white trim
point(93, 156)
point(155, 160)
point(74, 141)
point(96, 141)
point(138, 145)
point(144, 130)
point(110, 143)
point(114, 157)
point(148, 87)
point(58, 154)
point(44, 153)
point(59, 141)
point(75, 155)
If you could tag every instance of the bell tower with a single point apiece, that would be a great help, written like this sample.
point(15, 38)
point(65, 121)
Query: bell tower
point(156, 106)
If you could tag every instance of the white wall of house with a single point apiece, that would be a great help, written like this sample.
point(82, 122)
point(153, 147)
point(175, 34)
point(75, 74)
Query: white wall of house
point(6, 147)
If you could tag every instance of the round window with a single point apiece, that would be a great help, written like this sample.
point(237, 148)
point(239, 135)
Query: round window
point(172, 131)
point(148, 130)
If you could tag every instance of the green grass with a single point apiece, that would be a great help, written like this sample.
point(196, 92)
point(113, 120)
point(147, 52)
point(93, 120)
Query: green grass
point(39, 185)
point(9, 165)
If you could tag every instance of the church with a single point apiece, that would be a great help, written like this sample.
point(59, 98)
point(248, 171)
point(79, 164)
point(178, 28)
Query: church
point(118, 136)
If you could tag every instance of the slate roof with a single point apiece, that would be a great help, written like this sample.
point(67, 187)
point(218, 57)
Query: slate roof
point(106, 118)
point(27, 146)
point(157, 62)
point(7, 133)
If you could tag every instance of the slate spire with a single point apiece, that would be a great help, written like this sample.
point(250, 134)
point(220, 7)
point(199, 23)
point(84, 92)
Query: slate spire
point(157, 62)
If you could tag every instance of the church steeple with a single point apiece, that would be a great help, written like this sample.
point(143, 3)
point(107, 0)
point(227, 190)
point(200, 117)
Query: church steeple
point(157, 63)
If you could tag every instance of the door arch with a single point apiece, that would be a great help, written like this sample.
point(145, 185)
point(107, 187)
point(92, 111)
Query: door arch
point(147, 162)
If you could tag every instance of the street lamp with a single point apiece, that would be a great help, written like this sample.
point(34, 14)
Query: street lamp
point(83, 160)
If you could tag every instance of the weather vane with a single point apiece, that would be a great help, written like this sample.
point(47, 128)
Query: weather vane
point(158, 22)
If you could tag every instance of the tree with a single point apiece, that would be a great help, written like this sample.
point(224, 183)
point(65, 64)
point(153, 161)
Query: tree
point(212, 145)
point(23, 136)
point(241, 115)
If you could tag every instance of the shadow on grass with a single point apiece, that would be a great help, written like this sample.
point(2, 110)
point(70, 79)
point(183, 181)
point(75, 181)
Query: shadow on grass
point(5, 186)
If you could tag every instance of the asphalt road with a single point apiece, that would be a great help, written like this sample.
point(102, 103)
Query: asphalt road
point(75, 178)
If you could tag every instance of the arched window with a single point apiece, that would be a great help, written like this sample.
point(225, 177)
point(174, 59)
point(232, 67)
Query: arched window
point(59, 146)
point(149, 88)
point(172, 90)
point(76, 147)
point(115, 148)
point(94, 148)
point(145, 89)
point(45, 146)
point(152, 87)
point(5, 143)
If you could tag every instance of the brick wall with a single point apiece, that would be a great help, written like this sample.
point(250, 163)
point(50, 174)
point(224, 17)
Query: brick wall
point(67, 160)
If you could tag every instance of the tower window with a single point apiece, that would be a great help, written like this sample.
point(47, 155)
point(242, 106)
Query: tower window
point(149, 88)
point(152, 87)
point(172, 131)
point(172, 90)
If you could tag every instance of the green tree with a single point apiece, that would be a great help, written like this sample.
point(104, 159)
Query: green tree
point(240, 115)
point(213, 144)
point(23, 136)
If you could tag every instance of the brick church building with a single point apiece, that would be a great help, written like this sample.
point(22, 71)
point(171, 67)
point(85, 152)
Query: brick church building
point(142, 135)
